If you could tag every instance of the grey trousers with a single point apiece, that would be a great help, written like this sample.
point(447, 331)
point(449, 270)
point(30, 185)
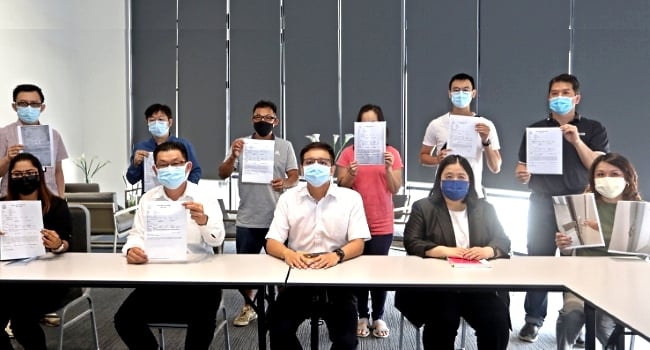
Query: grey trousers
point(572, 318)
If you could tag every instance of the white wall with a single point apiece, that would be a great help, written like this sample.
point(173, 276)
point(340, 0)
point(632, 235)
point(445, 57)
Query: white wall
point(75, 50)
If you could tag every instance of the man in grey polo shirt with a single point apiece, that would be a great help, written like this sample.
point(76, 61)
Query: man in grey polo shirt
point(257, 201)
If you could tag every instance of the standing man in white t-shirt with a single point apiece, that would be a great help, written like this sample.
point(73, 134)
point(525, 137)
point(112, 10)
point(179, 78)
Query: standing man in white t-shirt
point(434, 145)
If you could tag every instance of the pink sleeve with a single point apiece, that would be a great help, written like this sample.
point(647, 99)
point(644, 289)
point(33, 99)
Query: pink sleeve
point(346, 157)
point(397, 160)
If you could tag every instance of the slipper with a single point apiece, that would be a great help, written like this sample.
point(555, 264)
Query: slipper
point(362, 328)
point(379, 329)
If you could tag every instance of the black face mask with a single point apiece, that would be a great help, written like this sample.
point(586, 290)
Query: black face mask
point(263, 128)
point(25, 185)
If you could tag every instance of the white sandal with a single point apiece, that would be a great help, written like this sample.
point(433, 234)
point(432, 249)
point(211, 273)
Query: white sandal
point(362, 328)
point(379, 329)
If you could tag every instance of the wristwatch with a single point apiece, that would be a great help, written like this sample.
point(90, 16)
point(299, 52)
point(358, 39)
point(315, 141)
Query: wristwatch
point(341, 254)
point(59, 249)
point(487, 143)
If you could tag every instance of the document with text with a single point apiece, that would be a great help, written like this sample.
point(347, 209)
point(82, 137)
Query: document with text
point(165, 231)
point(463, 139)
point(544, 151)
point(577, 217)
point(369, 142)
point(150, 179)
point(256, 161)
point(37, 140)
point(21, 223)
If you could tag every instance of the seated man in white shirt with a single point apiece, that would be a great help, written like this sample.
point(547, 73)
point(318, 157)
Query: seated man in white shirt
point(322, 225)
point(195, 305)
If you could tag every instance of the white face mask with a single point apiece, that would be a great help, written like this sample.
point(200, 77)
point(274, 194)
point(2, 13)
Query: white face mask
point(610, 187)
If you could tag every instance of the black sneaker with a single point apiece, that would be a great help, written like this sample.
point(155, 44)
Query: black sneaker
point(529, 332)
point(580, 342)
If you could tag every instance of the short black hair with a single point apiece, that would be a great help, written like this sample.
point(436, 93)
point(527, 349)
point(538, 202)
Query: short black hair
point(565, 78)
point(170, 146)
point(157, 107)
point(371, 107)
point(436, 192)
point(28, 88)
point(317, 145)
point(265, 104)
point(462, 76)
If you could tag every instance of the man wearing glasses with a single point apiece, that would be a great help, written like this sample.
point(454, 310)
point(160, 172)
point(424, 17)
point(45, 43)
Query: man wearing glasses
point(257, 200)
point(159, 120)
point(461, 93)
point(323, 225)
point(29, 104)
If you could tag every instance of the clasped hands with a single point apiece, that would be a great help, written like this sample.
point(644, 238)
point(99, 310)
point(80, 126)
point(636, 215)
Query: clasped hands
point(304, 260)
point(473, 253)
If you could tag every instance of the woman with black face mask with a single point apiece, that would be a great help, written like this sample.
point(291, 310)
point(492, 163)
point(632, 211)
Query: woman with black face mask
point(25, 305)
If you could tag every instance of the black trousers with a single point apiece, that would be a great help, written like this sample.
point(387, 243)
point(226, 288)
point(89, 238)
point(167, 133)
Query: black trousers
point(25, 305)
point(486, 312)
point(337, 306)
point(195, 305)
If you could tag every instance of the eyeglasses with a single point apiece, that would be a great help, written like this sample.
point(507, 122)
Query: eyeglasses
point(160, 166)
point(21, 174)
point(30, 104)
point(321, 161)
point(266, 118)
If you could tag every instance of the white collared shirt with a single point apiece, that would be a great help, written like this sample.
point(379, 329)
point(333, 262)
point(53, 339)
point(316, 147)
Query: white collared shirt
point(319, 226)
point(200, 239)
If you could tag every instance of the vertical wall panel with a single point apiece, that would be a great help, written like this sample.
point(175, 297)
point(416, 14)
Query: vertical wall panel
point(612, 52)
point(371, 62)
point(154, 59)
point(202, 75)
point(311, 75)
point(441, 41)
point(254, 59)
point(519, 55)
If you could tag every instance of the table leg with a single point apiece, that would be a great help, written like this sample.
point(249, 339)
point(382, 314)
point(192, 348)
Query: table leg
point(590, 327)
point(261, 317)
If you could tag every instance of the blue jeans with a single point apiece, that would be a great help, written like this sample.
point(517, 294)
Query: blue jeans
point(250, 240)
point(377, 245)
point(541, 242)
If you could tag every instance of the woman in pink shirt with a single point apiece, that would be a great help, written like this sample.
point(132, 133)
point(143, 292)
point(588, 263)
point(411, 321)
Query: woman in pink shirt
point(376, 184)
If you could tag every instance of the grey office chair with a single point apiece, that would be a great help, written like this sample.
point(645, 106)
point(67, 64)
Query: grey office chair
point(80, 243)
point(418, 334)
point(223, 324)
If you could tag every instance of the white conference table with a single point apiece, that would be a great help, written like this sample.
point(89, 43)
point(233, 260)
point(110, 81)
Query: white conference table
point(111, 270)
point(615, 286)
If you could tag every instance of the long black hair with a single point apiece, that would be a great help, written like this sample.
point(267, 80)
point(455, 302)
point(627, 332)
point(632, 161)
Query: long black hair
point(436, 192)
point(44, 193)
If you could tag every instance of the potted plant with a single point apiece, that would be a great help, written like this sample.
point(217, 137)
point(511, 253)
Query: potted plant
point(90, 167)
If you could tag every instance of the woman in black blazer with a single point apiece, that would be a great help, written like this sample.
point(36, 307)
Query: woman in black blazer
point(454, 222)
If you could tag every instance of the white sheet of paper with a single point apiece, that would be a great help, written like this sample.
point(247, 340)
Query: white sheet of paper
point(463, 139)
point(21, 222)
point(574, 214)
point(165, 231)
point(544, 150)
point(256, 161)
point(37, 140)
point(631, 229)
point(150, 178)
point(369, 142)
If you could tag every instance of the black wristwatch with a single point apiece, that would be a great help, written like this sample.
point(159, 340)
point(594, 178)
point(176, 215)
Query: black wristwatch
point(486, 143)
point(341, 254)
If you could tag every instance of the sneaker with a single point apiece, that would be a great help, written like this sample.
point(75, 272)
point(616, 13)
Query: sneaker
point(580, 342)
point(246, 315)
point(529, 332)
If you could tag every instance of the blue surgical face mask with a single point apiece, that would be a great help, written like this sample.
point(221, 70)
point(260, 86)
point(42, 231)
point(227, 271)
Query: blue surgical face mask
point(159, 128)
point(317, 174)
point(561, 104)
point(28, 115)
point(461, 99)
point(172, 177)
point(455, 190)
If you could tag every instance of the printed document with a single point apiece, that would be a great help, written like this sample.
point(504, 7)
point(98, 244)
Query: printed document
point(165, 231)
point(21, 222)
point(256, 161)
point(577, 216)
point(150, 178)
point(544, 151)
point(37, 140)
point(369, 142)
point(631, 229)
point(463, 139)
